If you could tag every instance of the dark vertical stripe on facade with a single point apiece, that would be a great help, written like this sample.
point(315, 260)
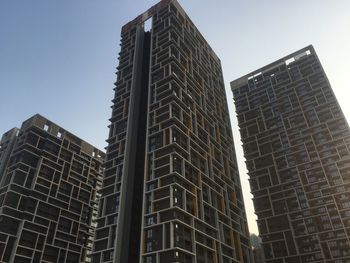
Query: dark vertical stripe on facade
point(128, 242)
point(136, 209)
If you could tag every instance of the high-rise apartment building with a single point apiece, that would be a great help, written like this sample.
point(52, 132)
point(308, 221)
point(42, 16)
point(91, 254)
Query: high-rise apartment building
point(171, 189)
point(296, 143)
point(48, 183)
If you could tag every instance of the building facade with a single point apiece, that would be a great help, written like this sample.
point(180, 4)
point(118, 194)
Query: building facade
point(48, 184)
point(296, 143)
point(7, 142)
point(171, 190)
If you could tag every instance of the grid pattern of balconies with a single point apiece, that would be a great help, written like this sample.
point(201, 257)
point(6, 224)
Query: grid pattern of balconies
point(191, 201)
point(48, 195)
point(296, 143)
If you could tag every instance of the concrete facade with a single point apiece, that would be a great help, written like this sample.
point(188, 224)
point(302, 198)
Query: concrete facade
point(171, 190)
point(296, 143)
point(48, 199)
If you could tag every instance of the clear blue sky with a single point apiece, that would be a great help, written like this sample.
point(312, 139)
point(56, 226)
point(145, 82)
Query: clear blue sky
point(58, 58)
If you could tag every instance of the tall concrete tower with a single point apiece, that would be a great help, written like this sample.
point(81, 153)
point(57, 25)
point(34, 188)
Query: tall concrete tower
point(296, 143)
point(171, 190)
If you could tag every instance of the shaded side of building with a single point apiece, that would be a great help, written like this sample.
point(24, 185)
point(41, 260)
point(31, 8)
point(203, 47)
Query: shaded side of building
point(296, 143)
point(48, 194)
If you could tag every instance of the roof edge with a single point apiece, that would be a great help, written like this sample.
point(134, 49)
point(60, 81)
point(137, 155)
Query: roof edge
point(244, 79)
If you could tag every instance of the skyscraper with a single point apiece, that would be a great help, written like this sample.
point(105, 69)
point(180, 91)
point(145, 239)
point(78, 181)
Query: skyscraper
point(48, 183)
point(171, 189)
point(296, 143)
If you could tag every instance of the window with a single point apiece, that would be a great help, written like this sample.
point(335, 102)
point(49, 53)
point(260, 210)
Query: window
point(151, 185)
point(28, 239)
point(148, 203)
point(11, 199)
point(149, 246)
point(149, 233)
point(150, 259)
point(50, 254)
point(177, 164)
point(155, 142)
point(112, 204)
point(108, 255)
point(149, 220)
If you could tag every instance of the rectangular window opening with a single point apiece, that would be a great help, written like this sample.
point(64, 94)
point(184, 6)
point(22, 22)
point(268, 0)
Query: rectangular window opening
point(147, 25)
point(290, 60)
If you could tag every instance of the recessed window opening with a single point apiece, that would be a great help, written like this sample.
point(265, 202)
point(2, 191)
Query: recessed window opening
point(147, 25)
point(290, 60)
point(46, 127)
